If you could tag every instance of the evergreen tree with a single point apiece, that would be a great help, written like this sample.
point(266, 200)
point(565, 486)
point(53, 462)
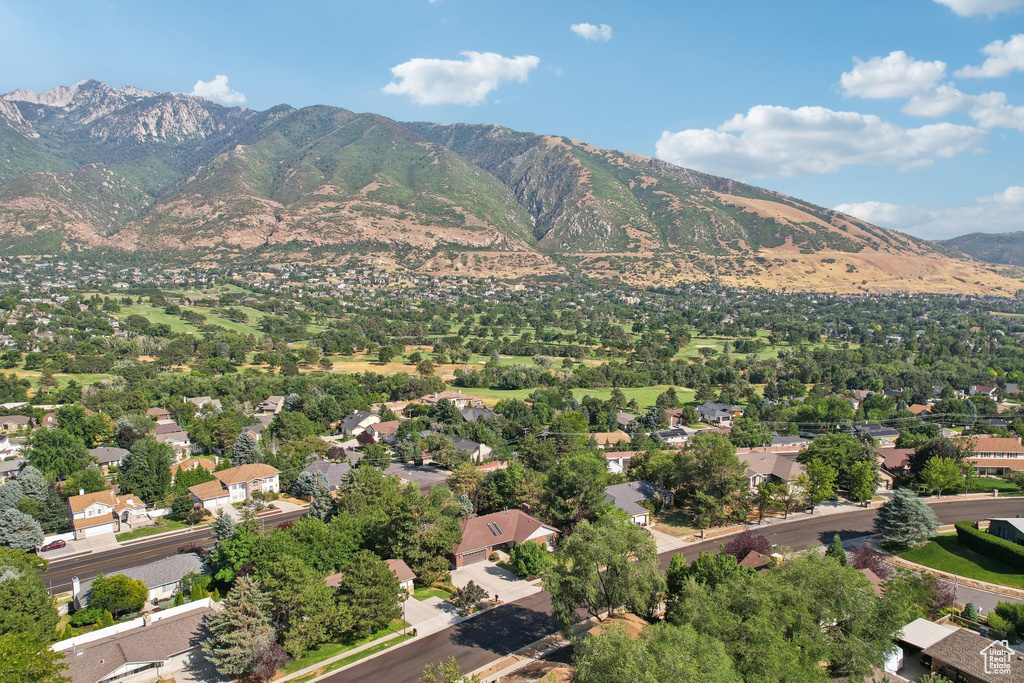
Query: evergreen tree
point(246, 450)
point(18, 530)
point(239, 630)
point(905, 520)
point(223, 526)
point(25, 607)
point(29, 659)
point(10, 494)
point(146, 470)
point(322, 504)
point(33, 484)
point(371, 592)
point(835, 550)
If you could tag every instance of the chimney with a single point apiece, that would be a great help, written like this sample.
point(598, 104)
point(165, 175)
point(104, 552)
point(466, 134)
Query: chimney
point(81, 492)
point(147, 619)
point(76, 587)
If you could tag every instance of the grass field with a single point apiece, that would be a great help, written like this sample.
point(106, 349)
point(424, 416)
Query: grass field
point(157, 315)
point(674, 523)
point(945, 553)
point(62, 380)
point(645, 396)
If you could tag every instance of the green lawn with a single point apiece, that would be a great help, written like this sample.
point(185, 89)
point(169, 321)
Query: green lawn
point(645, 396)
point(157, 315)
point(945, 553)
point(165, 526)
point(988, 483)
point(424, 593)
point(345, 661)
point(332, 649)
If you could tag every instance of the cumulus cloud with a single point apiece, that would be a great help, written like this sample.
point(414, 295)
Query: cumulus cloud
point(602, 33)
point(1003, 59)
point(968, 8)
point(218, 91)
point(996, 213)
point(778, 141)
point(894, 76)
point(989, 110)
point(453, 81)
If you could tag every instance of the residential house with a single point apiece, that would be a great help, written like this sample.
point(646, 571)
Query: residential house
point(356, 423)
point(623, 419)
point(156, 646)
point(757, 561)
point(981, 390)
point(719, 414)
point(611, 439)
point(879, 434)
point(618, 461)
point(108, 456)
point(631, 496)
point(12, 424)
point(676, 436)
point(236, 484)
point(162, 577)
point(894, 460)
point(967, 657)
point(472, 414)
point(482, 535)
point(192, 464)
point(920, 409)
point(768, 465)
point(166, 427)
point(477, 452)
point(255, 431)
point(9, 469)
point(104, 512)
point(158, 414)
point(204, 404)
point(993, 456)
point(796, 442)
point(384, 432)
point(457, 398)
point(675, 417)
point(49, 420)
point(1011, 388)
point(332, 472)
point(1008, 528)
point(272, 405)
point(402, 572)
point(180, 441)
point(492, 466)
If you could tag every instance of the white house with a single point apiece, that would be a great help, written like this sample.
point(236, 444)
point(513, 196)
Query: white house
point(236, 484)
point(103, 512)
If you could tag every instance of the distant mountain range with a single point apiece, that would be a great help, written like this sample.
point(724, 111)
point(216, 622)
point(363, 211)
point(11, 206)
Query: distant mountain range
point(1007, 247)
point(91, 166)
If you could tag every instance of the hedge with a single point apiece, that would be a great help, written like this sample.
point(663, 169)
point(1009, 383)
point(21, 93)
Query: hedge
point(990, 545)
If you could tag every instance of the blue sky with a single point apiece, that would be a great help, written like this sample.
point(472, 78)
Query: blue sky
point(925, 133)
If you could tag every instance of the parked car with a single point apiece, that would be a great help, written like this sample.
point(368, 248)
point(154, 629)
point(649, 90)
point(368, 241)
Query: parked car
point(53, 545)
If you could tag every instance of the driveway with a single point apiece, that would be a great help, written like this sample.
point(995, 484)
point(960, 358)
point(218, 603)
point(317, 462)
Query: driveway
point(495, 580)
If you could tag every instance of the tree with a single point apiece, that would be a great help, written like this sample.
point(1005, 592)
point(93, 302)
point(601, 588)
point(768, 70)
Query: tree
point(240, 630)
point(866, 557)
point(322, 504)
point(940, 474)
point(447, 671)
point(835, 550)
point(118, 594)
point(528, 559)
point(25, 606)
point(712, 477)
point(841, 452)
point(305, 483)
point(574, 488)
point(90, 480)
point(146, 470)
point(129, 429)
point(303, 608)
point(245, 451)
point(818, 483)
point(33, 484)
point(371, 593)
point(905, 520)
point(862, 479)
point(662, 652)
point(29, 658)
point(765, 497)
point(57, 453)
point(18, 530)
point(468, 595)
point(223, 526)
point(744, 543)
point(604, 567)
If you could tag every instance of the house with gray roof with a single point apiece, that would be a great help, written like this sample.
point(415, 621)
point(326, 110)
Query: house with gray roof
point(162, 577)
point(471, 414)
point(1008, 528)
point(108, 455)
point(629, 497)
point(356, 423)
point(333, 472)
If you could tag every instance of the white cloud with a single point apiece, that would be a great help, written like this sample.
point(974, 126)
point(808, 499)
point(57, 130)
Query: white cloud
point(989, 110)
point(602, 33)
point(968, 8)
point(218, 91)
point(943, 100)
point(894, 76)
point(778, 141)
point(996, 213)
point(1003, 59)
point(452, 81)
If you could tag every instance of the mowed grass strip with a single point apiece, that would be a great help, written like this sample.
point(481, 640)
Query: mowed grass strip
point(947, 554)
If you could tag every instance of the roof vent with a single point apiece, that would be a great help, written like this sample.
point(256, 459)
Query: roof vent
point(79, 653)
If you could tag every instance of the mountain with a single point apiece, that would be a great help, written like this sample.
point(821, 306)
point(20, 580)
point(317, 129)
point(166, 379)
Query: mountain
point(1006, 248)
point(91, 166)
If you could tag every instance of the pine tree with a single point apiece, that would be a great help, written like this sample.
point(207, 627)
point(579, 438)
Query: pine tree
point(836, 551)
point(905, 520)
point(322, 504)
point(223, 526)
point(245, 451)
point(240, 630)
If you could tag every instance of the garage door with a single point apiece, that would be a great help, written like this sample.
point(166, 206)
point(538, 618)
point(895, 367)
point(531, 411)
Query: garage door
point(474, 557)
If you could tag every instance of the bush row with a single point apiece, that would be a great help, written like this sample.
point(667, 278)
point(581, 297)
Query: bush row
point(990, 545)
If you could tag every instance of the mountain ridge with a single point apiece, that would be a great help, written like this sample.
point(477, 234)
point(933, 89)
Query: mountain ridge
point(1006, 248)
point(91, 166)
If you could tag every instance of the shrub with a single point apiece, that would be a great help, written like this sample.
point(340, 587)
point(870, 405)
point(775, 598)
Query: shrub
point(118, 594)
point(744, 543)
point(467, 596)
point(970, 612)
point(990, 545)
point(1013, 613)
point(528, 559)
point(86, 617)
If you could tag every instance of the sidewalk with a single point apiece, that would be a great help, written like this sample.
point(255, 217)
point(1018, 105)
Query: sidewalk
point(341, 655)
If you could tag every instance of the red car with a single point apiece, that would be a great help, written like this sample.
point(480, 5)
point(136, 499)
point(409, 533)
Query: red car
point(53, 545)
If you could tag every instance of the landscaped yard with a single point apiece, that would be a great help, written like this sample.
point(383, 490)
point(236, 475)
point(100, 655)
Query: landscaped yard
point(331, 649)
point(945, 553)
point(424, 593)
point(674, 523)
point(161, 527)
point(988, 483)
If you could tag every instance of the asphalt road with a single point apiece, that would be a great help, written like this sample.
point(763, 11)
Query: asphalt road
point(57, 577)
point(503, 630)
